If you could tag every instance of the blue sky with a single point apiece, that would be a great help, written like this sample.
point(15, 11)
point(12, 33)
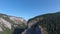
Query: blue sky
point(28, 8)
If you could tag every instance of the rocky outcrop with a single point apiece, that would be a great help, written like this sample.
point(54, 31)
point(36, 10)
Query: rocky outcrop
point(9, 23)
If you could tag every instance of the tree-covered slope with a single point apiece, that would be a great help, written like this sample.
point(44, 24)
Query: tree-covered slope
point(48, 23)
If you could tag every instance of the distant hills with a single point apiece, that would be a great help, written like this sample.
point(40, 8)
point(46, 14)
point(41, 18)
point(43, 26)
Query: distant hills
point(9, 23)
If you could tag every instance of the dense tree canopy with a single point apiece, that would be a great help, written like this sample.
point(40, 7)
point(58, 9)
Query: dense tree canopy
point(50, 22)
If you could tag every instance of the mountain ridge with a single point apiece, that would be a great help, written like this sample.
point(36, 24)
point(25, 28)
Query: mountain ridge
point(9, 23)
point(48, 24)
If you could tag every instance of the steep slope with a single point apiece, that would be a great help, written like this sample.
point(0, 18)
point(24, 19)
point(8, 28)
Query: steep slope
point(48, 23)
point(9, 23)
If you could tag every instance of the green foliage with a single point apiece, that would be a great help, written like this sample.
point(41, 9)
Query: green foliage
point(50, 22)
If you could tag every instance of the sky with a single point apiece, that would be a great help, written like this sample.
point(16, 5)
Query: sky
point(29, 8)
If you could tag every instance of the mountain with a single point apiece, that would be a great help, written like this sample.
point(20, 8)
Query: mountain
point(47, 24)
point(9, 23)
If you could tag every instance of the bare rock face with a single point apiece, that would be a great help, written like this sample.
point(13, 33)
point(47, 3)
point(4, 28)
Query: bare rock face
point(9, 23)
point(48, 24)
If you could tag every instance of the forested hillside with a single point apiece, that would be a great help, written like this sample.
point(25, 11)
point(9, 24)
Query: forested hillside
point(48, 23)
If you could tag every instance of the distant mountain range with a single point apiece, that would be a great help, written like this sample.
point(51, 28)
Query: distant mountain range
point(8, 23)
point(45, 24)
